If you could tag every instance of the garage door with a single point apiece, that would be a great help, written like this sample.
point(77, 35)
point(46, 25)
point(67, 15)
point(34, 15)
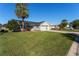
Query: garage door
point(44, 28)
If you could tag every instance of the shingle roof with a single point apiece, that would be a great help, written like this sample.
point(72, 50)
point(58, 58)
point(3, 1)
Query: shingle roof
point(31, 23)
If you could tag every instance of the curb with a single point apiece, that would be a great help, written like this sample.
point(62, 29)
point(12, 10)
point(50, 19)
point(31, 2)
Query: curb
point(73, 49)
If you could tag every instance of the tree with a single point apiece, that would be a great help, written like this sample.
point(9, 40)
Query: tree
point(12, 24)
point(75, 23)
point(63, 24)
point(0, 25)
point(22, 12)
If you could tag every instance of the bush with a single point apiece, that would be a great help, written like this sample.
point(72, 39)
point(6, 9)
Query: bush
point(4, 30)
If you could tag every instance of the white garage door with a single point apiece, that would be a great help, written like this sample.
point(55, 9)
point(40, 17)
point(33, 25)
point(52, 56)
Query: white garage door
point(44, 28)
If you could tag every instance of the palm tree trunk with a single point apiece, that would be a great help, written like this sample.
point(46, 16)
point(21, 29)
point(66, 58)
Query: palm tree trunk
point(22, 25)
point(27, 26)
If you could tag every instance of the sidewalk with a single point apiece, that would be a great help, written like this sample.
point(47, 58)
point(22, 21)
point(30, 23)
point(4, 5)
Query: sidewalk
point(73, 49)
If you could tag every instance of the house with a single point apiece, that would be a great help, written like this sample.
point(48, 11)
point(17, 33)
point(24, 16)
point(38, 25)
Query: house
point(42, 26)
point(69, 27)
point(35, 26)
point(54, 27)
point(0, 26)
point(3, 28)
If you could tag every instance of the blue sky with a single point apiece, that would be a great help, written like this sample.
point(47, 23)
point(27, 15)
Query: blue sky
point(50, 12)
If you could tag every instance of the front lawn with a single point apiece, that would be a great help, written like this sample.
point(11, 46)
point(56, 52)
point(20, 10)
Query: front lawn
point(34, 43)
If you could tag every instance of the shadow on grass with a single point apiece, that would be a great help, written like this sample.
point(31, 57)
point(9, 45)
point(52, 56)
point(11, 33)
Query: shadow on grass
point(72, 36)
point(1, 33)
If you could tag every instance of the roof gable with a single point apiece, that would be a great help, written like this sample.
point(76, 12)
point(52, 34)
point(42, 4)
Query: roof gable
point(44, 23)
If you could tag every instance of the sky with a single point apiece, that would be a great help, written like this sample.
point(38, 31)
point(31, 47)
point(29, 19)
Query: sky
point(52, 13)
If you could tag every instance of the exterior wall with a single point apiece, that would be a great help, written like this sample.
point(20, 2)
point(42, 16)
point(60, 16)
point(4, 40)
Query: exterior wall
point(54, 27)
point(69, 27)
point(3, 28)
point(44, 26)
point(35, 28)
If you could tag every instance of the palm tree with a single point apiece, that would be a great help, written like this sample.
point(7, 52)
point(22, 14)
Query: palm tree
point(22, 12)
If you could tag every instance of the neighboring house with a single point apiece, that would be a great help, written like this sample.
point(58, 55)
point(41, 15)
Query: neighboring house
point(3, 27)
point(0, 26)
point(69, 26)
point(35, 26)
point(54, 27)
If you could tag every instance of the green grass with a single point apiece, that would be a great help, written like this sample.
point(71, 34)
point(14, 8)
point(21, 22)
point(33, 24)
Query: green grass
point(34, 43)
